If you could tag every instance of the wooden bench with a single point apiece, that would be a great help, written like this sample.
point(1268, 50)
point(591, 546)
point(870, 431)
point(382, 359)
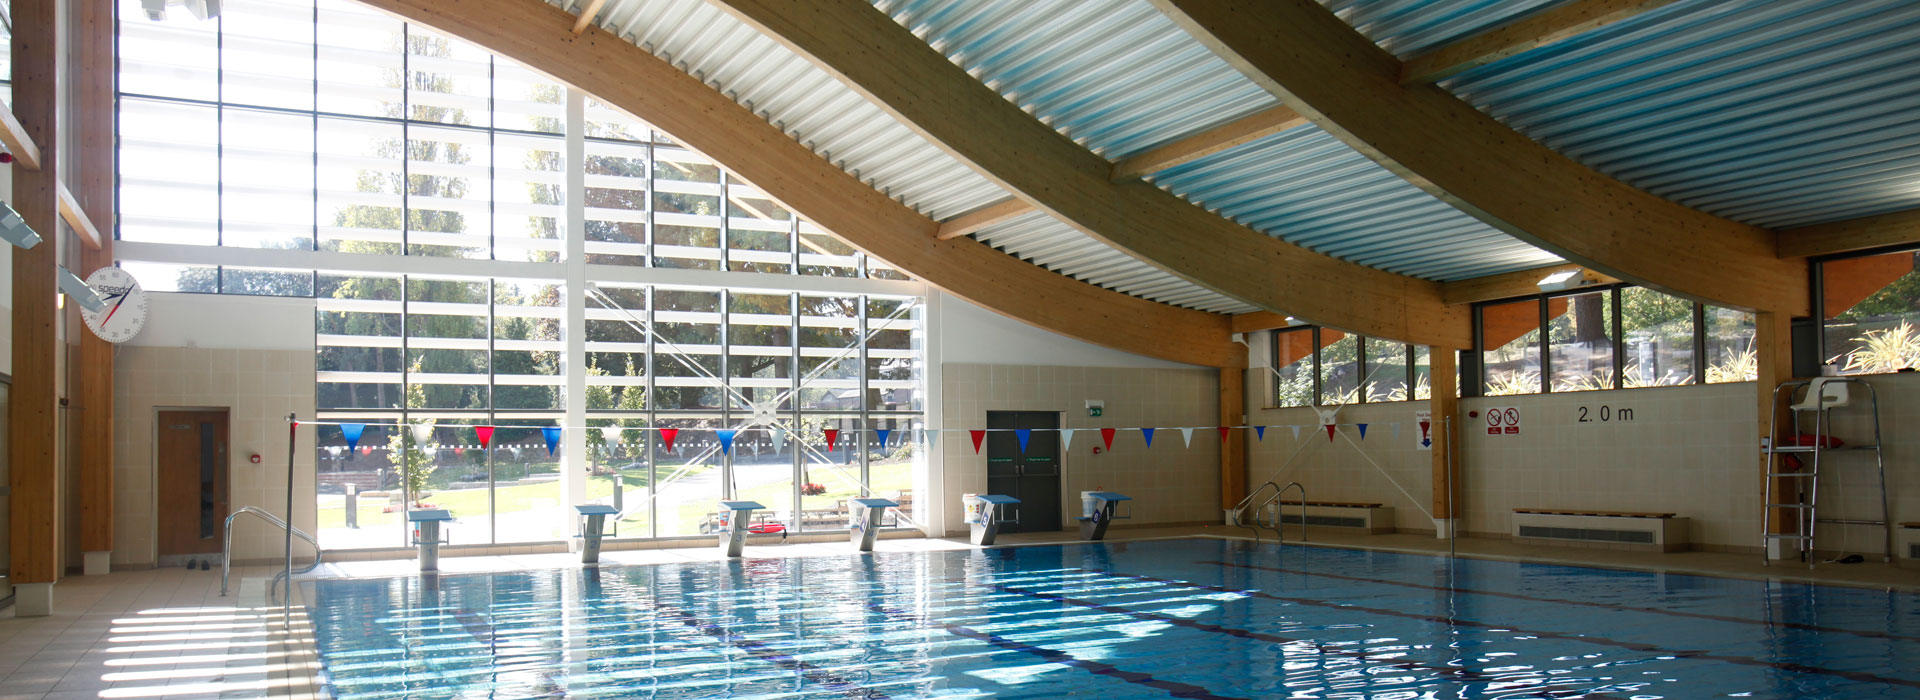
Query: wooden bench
point(1371, 518)
point(1614, 529)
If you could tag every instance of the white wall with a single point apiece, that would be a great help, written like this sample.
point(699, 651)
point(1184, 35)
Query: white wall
point(231, 321)
point(974, 335)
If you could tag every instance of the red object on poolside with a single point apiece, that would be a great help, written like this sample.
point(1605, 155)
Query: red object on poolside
point(1804, 440)
point(766, 528)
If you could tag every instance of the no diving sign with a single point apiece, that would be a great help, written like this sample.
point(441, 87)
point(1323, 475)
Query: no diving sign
point(1503, 421)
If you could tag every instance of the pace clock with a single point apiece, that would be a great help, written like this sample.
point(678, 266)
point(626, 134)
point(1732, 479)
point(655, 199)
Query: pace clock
point(126, 309)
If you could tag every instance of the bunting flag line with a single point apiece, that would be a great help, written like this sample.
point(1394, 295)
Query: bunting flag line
point(352, 431)
point(422, 433)
point(1023, 434)
point(1296, 432)
point(1148, 432)
point(833, 436)
point(1186, 434)
point(485, 433)
point(1330, 428)
point(1223, 433)
point(978, 435)
point(610, 434)
point(779, 438)
point(932, 436)
point(552, 433)
point(726, 440)
point(667, 435)
point(1260, 433)
point(1363, 430)
point(1106, 436)
point(883, 436)
point(1066, 439)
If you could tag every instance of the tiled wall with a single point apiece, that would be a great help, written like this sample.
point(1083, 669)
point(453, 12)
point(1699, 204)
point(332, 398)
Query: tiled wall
point(1687, 450)
point(258, 388)
point(1172, 483)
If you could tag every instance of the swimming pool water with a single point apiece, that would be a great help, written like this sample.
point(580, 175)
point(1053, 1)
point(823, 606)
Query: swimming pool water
point(1192, 618)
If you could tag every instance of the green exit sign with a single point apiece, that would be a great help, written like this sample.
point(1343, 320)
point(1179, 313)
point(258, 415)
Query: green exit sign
point(1095, 411)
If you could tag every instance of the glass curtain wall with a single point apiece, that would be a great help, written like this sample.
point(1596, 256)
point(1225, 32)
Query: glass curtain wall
point(324, 127)
point(1618, 337)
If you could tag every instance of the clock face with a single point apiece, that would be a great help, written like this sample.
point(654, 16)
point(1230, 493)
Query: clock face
point(126, 311)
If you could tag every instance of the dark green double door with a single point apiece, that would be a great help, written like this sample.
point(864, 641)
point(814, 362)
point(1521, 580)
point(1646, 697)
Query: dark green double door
point(1031, 475)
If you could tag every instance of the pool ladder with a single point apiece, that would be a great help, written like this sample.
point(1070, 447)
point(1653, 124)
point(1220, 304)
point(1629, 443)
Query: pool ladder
point(1247, 513)
point(226, 550)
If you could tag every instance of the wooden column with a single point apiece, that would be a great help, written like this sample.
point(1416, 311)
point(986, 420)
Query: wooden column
point(92, 370)
point(1233, 451)
point(1443, 363)
point(1773, 351)
point(32, 449)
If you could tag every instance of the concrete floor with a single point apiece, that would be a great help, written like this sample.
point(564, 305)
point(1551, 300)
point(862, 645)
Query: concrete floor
point(167, 633)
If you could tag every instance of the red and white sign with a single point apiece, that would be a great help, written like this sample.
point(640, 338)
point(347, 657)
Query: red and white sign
point(1503, 421)
point(1424, 421)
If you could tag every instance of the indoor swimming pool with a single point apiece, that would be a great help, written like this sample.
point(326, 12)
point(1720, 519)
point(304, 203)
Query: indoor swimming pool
point(1188, 618)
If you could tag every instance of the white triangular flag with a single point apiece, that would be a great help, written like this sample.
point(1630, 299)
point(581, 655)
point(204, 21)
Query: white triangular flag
point(1396, 432)
point(422, 432)
point(1296, 432)
point(1187, 435)
point(779, 438)
point(610, 434)
point(932, 435)
point(1066, 439)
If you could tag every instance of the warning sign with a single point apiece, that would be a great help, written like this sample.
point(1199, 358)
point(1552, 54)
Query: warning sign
point(1423, 440)
point(1503, 421)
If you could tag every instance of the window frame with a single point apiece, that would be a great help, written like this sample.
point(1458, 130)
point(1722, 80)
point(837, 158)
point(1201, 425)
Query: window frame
point(1479, 386)
point(1817, 286)
point(1319, 367)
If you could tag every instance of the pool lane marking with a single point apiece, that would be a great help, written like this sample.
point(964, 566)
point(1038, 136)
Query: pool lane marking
point(1174, 688)
point(1859, 676)
point(1590, 604)
point(763, 652)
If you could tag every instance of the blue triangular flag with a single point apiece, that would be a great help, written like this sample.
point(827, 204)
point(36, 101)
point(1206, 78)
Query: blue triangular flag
point(1260, 432)
point(726, 440)
point(883, 435)
point(1148, 432)
point(352, 432)
point(552, 433)
point(1023, 434)
point(1363, 430)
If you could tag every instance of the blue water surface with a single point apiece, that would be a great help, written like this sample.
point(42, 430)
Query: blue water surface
point(1198, 618)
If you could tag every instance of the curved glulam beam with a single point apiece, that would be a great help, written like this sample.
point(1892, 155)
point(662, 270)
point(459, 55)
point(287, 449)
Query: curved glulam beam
point(1316, 64)
point(899, 72)
point(627, 77)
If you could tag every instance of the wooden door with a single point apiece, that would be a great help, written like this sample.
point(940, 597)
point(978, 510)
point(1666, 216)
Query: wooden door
point(192, 481)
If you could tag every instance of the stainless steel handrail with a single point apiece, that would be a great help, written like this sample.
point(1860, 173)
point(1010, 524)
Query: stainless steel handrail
point(226, 548)
point(1240, 515)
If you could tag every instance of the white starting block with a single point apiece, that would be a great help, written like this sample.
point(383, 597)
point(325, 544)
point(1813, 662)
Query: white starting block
point(1093, 525)
point(593, 522)
point(866, 515)
point(735, 517)
point(427, 537)
point(983, 516)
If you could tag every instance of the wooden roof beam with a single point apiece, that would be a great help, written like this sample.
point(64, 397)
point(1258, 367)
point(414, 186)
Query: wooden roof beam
point(1519, 283)
point(1897, 228)
point(1309, 58)
point(983, 218)
point(586, 16)
point(916, 84)
point(77, 220)
point(629, 78)
point(1520, 36)
point(15, 138)
point(1263, 123)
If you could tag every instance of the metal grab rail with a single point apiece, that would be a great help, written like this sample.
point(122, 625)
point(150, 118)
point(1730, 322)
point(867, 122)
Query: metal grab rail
point(1240, 510)
point(226, 549)
point(1279, 497)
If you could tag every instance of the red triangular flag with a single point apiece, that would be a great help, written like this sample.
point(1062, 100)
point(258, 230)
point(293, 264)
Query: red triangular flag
point(978, 435)
point(1106, 436)
point(667, 435)
point(1330, 432)
point(1223, 433)
point(486, 434)
point(833, 436)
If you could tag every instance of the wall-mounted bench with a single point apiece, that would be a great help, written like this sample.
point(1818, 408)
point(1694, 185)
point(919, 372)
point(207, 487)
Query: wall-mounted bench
point(1371, 518)
point(1909, 534)
point(1602, 528)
